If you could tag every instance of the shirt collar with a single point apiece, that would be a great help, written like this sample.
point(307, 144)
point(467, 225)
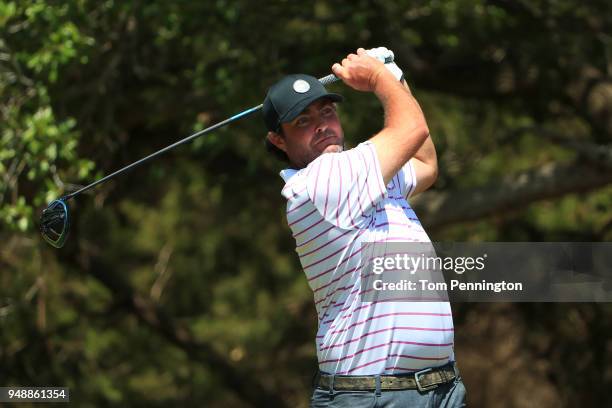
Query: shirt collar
point(287, 174)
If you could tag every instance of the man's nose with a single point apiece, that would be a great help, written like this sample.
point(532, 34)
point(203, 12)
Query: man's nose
point(321, 125)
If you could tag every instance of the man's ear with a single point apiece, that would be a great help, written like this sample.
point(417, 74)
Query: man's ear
point(277, 140)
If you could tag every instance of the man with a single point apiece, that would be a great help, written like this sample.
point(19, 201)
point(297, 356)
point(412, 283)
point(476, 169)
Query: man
point(393, 353)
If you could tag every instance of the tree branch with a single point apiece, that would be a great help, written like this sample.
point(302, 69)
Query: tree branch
point(248, 387)
point(440, 209)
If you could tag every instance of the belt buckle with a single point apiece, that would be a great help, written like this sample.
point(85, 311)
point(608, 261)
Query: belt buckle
point(418, 384)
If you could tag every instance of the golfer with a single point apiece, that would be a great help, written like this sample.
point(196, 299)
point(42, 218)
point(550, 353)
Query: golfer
point(379, 354)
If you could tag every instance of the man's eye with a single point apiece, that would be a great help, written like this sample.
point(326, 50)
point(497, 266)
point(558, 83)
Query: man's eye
point(327, 111)
point(303, 121)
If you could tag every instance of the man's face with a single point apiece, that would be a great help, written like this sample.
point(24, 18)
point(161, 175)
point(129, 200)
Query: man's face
point(315, 131)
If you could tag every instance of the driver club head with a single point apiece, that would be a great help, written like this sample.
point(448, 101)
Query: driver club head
point(55, 223)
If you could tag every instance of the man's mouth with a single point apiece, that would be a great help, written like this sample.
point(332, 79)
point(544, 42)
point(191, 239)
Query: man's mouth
point(325, 138)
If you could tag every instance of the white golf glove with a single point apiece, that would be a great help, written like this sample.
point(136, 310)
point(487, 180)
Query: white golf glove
point(384, 54)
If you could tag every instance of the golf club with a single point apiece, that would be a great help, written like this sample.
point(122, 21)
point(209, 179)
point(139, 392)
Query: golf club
point(55, 219)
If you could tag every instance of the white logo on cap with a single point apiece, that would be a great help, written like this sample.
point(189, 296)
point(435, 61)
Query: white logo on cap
point(301, 86)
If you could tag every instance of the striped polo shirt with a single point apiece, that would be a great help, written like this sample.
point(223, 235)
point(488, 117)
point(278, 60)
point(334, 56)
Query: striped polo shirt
point(335, 204)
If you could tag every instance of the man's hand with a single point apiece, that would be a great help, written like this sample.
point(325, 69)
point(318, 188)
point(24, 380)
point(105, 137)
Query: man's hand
point(384, 54)
point(360, 71)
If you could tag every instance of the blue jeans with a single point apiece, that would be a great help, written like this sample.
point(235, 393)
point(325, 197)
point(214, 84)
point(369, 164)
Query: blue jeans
point(449, 395)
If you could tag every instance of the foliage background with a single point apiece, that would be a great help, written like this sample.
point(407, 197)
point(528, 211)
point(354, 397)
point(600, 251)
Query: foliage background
point(179, 284)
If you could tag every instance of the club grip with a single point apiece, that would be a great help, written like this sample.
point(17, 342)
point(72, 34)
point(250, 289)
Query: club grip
point(331, 78)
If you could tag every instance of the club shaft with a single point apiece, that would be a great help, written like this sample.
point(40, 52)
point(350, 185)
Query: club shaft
point(165, 149)
point(325, 80)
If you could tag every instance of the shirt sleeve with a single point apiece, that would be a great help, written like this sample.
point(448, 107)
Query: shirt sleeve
point(346, 187)
point(407, 179)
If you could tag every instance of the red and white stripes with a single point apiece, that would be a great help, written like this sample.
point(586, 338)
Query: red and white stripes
point(334, 205)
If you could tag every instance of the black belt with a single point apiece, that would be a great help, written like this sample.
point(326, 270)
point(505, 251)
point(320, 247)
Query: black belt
point(423, 380)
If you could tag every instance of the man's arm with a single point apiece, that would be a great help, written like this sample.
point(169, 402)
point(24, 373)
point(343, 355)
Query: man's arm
point(405, 129)
point(425, 163)
point(425, 166)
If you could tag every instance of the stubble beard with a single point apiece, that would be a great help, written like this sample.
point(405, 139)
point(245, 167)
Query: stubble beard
point(332, 148)
point(314, 154)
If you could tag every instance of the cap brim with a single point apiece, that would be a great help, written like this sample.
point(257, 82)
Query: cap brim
point(300, 106)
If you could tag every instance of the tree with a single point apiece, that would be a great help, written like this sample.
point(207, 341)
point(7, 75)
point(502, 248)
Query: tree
point(179, 284)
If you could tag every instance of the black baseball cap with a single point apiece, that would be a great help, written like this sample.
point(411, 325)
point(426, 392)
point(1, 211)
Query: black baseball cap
point(287, 98)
